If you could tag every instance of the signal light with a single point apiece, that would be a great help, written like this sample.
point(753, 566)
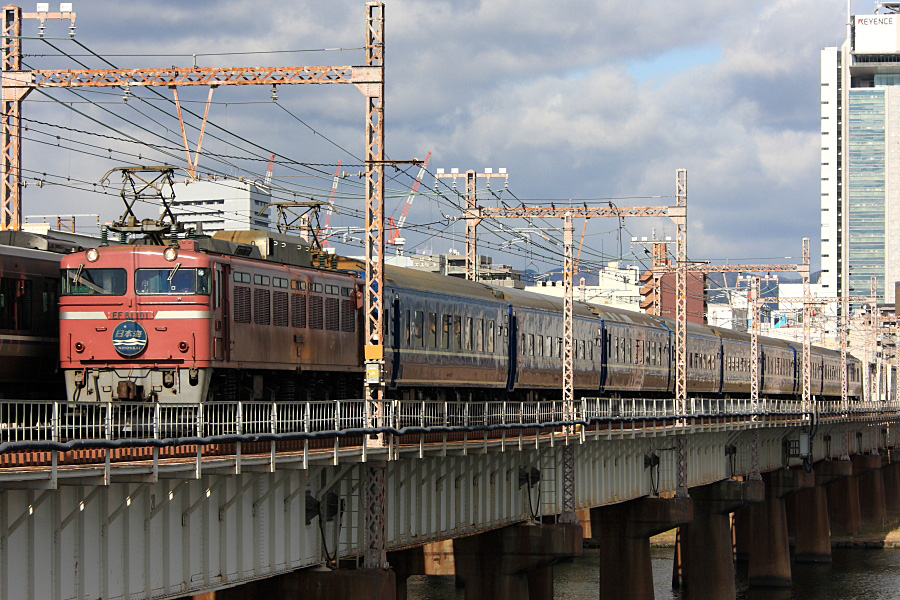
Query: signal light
point(79, 347)
point(183, 346)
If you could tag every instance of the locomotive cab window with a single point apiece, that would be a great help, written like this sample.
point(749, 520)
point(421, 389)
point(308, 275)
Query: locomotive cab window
point(94, 282)
point(176, 280)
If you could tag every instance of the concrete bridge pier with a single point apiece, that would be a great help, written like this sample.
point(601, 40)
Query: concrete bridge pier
point(770, 557)
point(623, 532)
point(707, 554)
point(891, 473)
point(435, 558)
point(872, 508)
point(812, 533)
point(843, 505)
point(740, 525)
point(516, 562)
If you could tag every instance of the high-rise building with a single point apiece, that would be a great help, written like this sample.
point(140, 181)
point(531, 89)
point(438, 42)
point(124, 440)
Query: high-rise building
point(222, 204)
point(861, 157)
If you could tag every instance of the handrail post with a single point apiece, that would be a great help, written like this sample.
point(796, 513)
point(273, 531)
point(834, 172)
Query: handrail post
point(337, 416)
point(274, 417)
point(308, 409)
point(54, 425)
point(239, 418)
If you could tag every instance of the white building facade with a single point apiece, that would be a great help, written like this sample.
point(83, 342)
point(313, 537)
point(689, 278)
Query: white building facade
point(222, 204)
point(860, 179)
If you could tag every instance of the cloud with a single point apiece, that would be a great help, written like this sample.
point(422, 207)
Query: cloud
point(581, 99)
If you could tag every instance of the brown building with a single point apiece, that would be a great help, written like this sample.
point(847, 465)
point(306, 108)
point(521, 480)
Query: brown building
point(696, 296)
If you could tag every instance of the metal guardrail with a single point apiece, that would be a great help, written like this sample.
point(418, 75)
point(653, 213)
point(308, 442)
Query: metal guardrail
point(61, 425)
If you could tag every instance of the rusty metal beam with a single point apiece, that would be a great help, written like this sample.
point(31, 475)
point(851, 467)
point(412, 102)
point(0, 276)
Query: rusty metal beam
point(11, 193)
point(580, 212)
point(202, 76)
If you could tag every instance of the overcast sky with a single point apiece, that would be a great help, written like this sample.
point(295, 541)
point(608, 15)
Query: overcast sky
point(578, 100)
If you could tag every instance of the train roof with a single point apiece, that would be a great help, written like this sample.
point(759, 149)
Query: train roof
point(58, 242)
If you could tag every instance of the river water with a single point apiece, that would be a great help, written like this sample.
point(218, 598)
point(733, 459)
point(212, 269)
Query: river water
point(863, 574)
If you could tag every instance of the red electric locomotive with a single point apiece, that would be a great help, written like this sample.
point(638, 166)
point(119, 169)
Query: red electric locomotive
point(209, 318)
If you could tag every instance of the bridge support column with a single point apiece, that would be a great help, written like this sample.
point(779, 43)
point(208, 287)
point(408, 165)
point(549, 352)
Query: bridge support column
point(892, 482)
point(812, 533)
point(514, 563)
point(623, 532)
point(741, 531)
point(872, 509)
point(431, 559)
point(843, 505)
point(706, 545)
point(770, 556)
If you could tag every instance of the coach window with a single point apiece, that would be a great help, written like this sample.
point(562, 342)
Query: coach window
point(418, 326)
point(408, 330)
point(490, 337)
point(455, 332)
point(446, 324)
point(432, 330)
point(479, 335)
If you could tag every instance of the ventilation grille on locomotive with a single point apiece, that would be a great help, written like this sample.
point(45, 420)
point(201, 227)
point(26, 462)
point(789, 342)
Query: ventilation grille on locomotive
point(348, 316)
point(298, 310)
point(261, 306)
point(280, 309)
point(241, 304)
point(315, 312)
point(332, 314)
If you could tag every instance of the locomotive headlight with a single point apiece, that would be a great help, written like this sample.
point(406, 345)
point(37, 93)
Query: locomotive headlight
point(92, 254)
point(170, 254)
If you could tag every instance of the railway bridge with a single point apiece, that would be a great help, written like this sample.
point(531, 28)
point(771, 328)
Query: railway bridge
point(240, 500)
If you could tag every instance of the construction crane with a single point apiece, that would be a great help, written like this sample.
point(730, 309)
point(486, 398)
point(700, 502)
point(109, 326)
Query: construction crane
point(326, 231)
point(268, 179)
point(395, 238)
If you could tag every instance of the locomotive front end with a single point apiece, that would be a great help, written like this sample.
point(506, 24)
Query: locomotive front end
point(137, 323)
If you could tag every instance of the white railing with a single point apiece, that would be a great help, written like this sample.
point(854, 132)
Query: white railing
point(29, 424)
